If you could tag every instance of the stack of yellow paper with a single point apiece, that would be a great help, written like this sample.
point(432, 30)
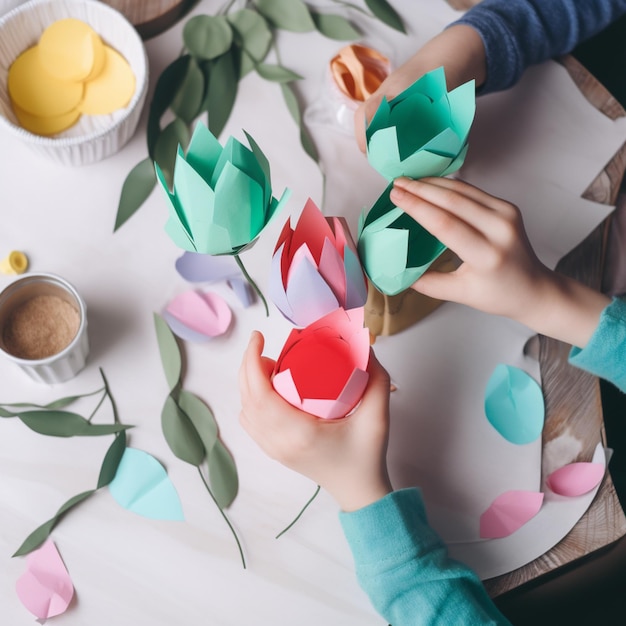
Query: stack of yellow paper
point(70, 72)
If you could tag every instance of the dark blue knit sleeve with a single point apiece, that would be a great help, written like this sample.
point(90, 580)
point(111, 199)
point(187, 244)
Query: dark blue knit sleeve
point(519, 33)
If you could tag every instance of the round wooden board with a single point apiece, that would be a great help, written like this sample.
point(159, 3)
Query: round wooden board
point(151, 17)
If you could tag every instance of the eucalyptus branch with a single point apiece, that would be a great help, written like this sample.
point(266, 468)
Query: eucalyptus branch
point(297, 517)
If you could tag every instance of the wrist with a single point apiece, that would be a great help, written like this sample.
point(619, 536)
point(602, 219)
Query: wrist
point(356, 497)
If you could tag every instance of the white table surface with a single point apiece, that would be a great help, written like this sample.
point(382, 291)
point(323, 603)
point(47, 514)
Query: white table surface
point(130, 570)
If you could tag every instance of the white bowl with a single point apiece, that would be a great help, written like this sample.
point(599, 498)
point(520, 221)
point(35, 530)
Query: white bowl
point(93, 137)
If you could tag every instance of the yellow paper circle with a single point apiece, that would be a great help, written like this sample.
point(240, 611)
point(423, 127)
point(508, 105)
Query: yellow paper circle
point(15, 263)
point(69, 49)
point(112, 89)
point(36, 92)
point(46, 126)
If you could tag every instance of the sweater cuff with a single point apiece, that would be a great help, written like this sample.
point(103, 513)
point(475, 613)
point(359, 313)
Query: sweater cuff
point(367, 529)
point(602, 354)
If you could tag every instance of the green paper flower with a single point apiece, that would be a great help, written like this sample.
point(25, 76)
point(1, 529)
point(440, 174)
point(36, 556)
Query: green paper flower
point(222, 197)
point(423, 131)
point(394, 249)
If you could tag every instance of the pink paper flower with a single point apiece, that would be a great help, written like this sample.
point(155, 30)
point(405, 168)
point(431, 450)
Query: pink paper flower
point(316, 268)
point(322, 369)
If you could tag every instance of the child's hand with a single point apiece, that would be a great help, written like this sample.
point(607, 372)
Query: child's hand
point(347, 457)
point(500, 273)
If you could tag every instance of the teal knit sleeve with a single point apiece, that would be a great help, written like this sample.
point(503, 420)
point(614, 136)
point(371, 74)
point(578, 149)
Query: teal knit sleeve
point(605, 353)
point(404, 567)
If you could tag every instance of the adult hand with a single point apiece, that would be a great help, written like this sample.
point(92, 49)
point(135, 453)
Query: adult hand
point(347, 457)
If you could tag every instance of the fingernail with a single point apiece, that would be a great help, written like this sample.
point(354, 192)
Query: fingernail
point(397, 194)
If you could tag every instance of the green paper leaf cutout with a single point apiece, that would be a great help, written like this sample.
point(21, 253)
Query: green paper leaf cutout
point(166, 88)
point(66, 424)
point(294, 109)
point(207, 36)
point(111, 460)
point(253, 37)
point(276, 73)
point(60, 403)
point(290, 15)
point(221, 93)
point(386, 14)
point(180, 434)
point(222, 475)
point(188, 99)
point(135, 191)
point(201, 417)
point(175, 134)
point(335, 26)
point(40, 534)
point(170, 352)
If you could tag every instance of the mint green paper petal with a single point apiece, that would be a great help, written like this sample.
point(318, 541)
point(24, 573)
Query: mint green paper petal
point(514, 404)
point(141, 485)
point(383, 152)
point(380, 119)
point(176, 226)
point(463, 108)
point(196, 200)
point(245, 160)
point(276, 206)
point(264, 164)
point(222, 475)
point(204, 152)
point(457, 163)
point(238, 206)
point(447, 143)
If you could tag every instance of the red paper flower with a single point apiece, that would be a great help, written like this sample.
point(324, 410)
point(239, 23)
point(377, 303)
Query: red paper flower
point(322, 368)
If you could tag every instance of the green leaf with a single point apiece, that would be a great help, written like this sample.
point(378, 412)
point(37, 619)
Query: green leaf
point(66, 424)
point(135, 191)
point(55, 404)
point(166, 88)
point(253, 35)
point(222, 475)
point(207, 36)
point(335, 26)
point(221, 93)
point(180, 434)
point(386, 14)
point(111, 460)
point(170, 352)
point(276, 73)
point(201, 417)
point(40, 534)
point(188, 99)
point(294, 109)
point(290, 15)
point(176, 133)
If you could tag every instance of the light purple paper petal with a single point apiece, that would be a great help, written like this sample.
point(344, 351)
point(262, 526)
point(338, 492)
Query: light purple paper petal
point(242, 290)
point(200, 268)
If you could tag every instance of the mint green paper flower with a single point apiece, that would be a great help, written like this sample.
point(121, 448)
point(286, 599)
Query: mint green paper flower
point(394, 249)
point(222, 197)
point(423, 131)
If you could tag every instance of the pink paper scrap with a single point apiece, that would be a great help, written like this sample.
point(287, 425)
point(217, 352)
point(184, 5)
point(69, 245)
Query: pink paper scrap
point(509, 512)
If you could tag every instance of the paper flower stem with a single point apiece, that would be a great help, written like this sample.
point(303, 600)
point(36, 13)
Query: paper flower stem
point(232, 530)
point(297, 517)
point(244, 271)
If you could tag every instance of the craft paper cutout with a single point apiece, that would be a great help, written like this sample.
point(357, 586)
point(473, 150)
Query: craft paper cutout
point(576, 479)
point(514, 404)
point(242, 290)
point(198, 316)
point(141, 485)
point(509, 512)
point(358, 71)
point(322, 368)
point(315, 268)
point(222, 197)
point(70, 50)
point(394, 249)
point(423, 131)
point(68, 72)
point(45, 588)
point(198, 268)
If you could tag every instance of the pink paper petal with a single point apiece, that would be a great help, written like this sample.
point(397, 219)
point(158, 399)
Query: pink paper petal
point(45, 588)
point(509, 512)
point(575, 479)
point(205, 313)
point(331, 267)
